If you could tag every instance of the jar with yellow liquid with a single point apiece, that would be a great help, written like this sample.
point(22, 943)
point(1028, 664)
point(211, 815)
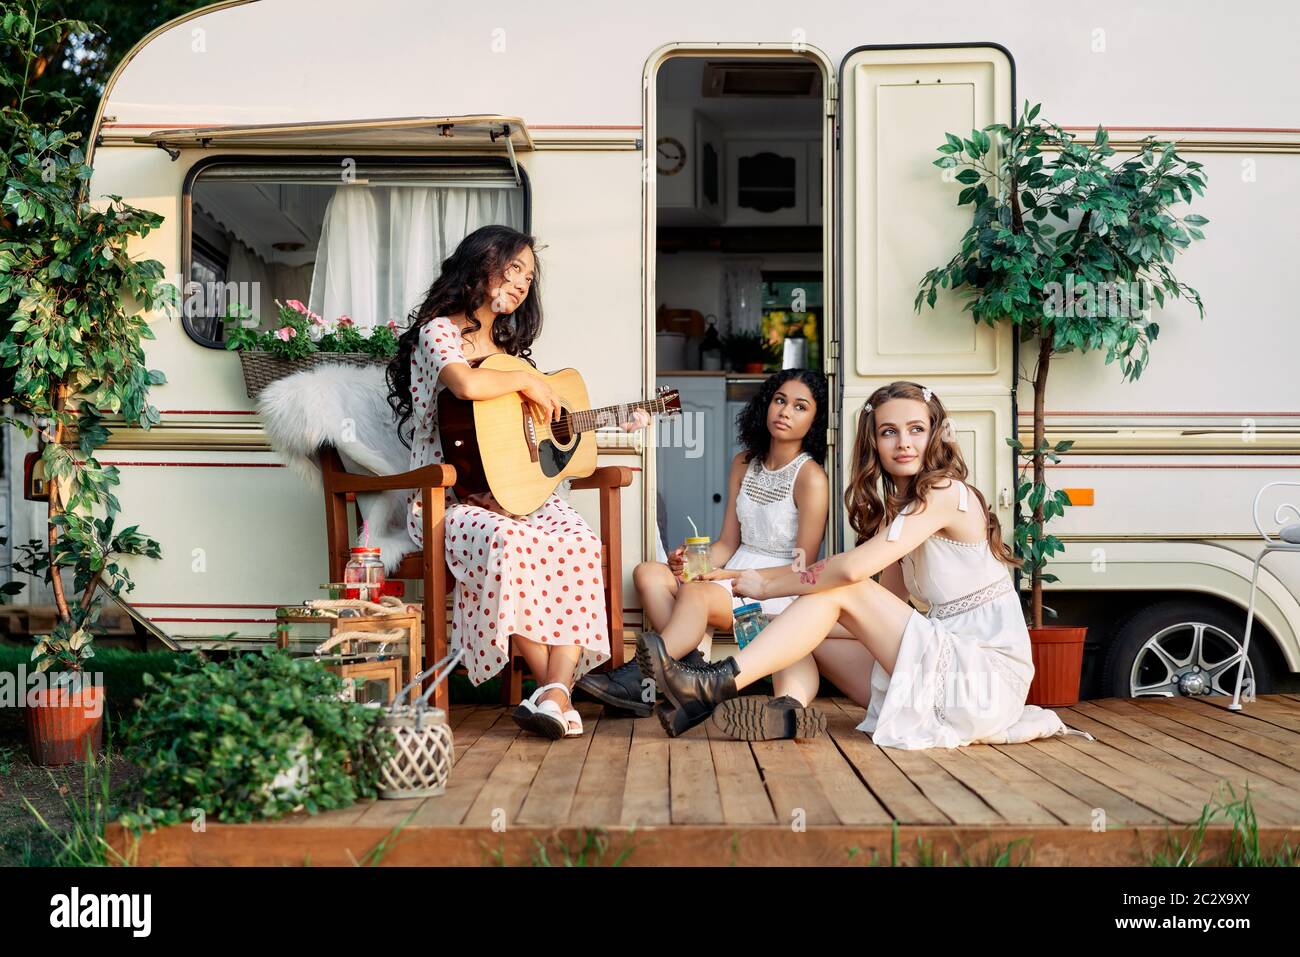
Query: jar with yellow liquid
point(697, 558)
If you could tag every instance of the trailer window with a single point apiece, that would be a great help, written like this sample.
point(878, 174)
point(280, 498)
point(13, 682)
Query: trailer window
point(363, 238)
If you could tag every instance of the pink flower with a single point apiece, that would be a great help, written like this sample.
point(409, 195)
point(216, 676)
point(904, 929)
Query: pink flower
point(392, 324)
point(285, 333)
point(345, 322)
point(297, 306)
point(315, 319)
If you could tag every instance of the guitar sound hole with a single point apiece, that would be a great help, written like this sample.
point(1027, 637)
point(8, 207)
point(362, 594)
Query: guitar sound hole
point(561, 431)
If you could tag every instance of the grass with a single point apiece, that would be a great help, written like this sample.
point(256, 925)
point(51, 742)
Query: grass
point(992, 856)
point(590, 851)
point(1243, 843)
point(375, 856)
point(81, 842)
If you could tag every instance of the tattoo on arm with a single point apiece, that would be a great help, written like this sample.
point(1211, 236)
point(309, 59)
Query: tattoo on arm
point(809, 575)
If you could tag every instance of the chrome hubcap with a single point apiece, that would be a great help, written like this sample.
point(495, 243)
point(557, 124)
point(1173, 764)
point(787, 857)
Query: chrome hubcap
point(1190, 658)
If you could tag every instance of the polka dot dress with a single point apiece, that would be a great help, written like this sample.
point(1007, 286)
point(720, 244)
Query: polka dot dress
point(538, 575)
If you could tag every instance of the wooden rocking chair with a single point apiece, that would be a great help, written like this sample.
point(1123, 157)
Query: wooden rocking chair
point(430, 567)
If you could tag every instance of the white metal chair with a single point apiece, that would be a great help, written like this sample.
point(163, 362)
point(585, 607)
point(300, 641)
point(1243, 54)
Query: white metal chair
point(1288, 540)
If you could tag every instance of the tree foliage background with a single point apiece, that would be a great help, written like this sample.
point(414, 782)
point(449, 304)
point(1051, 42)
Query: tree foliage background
point(78, 64)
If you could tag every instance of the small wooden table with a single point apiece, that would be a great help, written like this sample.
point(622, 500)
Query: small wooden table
point(401, 668)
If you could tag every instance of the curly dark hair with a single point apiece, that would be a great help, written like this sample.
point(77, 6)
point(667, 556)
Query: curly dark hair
point(751, 421)
point(463, 285)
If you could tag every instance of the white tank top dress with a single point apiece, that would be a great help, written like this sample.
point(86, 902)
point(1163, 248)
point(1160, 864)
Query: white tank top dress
point(769, 524)
point(964, 667)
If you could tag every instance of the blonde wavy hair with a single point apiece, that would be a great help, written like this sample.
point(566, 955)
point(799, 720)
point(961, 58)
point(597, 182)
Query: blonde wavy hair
point(869, 511)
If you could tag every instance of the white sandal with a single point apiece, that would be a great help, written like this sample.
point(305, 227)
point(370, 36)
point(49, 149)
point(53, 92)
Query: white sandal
point(572, 717)
point(544, 718)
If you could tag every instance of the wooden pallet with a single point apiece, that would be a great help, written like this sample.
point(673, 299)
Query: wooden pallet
point(705, 799)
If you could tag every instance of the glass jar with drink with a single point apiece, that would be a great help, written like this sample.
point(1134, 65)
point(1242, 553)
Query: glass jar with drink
point(364, 575)
point(698, 563)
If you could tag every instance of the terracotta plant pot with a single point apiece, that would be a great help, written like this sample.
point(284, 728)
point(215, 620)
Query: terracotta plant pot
point(62, 722)
point(1058, 665)
point(753, 367)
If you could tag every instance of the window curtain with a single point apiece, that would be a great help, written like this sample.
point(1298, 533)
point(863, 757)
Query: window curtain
point(381, 247)
point(271, 281)
point(742, 294)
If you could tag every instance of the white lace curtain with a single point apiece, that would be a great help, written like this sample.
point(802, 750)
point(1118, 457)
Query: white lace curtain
point(742, 294)
point(382, 246)
point(247, 271)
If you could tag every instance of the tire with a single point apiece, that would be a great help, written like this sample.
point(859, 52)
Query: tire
point(1174, 625)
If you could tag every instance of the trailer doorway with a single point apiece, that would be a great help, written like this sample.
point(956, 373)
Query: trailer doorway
point(738, 228)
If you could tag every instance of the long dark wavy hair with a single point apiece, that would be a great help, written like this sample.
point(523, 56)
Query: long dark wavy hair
point(464, 284)
point(751, 421)
point(868, 512)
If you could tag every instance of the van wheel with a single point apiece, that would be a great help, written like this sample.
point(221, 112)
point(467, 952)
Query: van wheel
point(1184, 648)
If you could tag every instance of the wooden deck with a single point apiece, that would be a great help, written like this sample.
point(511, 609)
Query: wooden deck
point(625, 793)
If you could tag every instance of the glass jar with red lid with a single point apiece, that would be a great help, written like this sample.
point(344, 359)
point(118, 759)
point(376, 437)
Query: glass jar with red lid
point(364, 574)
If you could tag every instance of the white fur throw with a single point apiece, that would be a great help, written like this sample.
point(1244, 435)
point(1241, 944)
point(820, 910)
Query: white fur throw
point(346, 407)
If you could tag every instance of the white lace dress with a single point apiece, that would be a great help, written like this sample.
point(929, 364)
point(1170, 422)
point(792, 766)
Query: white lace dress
point(769, 524)
point(963, 669)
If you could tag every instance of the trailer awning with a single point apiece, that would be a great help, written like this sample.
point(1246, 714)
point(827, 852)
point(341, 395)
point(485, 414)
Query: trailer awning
point(476, 133)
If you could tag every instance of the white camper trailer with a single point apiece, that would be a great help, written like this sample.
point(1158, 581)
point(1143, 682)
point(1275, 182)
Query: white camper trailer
point(334, 153)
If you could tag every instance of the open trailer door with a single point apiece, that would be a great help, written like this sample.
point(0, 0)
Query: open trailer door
point(899, 218)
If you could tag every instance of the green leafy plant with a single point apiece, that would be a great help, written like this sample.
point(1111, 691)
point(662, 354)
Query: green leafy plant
point(743, 348)
point(73, 316)
point(252, 737)
point(1071, 249)
point(301, 332)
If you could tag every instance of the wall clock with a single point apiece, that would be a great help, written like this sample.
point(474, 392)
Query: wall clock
point(671, 156)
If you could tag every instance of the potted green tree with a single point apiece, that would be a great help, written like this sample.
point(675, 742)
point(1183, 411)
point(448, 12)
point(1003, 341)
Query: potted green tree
point(1071, 250)
point(72, 319)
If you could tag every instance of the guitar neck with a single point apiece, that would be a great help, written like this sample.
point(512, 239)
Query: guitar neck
point(612, 415)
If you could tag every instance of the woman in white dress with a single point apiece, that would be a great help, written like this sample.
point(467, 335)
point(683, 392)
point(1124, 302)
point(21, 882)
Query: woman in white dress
point(958, 674)
point(776, 515)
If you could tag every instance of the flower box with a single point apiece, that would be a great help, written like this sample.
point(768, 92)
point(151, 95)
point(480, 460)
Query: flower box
point(263, 368)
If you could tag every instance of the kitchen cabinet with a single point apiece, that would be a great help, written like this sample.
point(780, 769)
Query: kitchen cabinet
point(814, 182)
point(688, 169)
point(692, 457)
point(767, 182)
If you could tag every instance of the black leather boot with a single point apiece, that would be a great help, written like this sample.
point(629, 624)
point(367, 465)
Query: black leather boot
point(691, 692)
point(760, 718)
point(623, 688)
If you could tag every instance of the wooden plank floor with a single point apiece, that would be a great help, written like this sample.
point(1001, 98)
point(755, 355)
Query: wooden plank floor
point(625, 792)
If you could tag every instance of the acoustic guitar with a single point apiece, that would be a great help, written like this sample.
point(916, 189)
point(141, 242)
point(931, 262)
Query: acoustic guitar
point(497, 445)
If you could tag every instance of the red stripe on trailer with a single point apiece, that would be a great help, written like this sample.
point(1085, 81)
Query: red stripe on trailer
point(206, 465)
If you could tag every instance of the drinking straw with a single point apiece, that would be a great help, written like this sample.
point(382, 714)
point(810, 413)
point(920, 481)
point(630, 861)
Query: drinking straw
point(693, 528)
point(365, 530)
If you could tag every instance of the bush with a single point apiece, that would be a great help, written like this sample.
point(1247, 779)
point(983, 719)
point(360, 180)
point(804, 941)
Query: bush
point(123, 669)
point(252, 737)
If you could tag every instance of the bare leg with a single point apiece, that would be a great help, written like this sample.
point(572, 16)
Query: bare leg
point(535, 654)
point(847, 663)
point(799, 680)
point(699, 605)
point(562, 661)
point(873, 614)
point(657, 586)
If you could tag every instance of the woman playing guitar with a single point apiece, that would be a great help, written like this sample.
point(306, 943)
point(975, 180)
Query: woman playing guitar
point(534, 580)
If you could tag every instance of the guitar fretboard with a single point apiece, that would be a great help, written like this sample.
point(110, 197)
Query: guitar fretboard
point(613, 415)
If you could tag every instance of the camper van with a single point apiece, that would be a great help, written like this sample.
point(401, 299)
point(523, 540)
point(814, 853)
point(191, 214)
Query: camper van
point(701, 171)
